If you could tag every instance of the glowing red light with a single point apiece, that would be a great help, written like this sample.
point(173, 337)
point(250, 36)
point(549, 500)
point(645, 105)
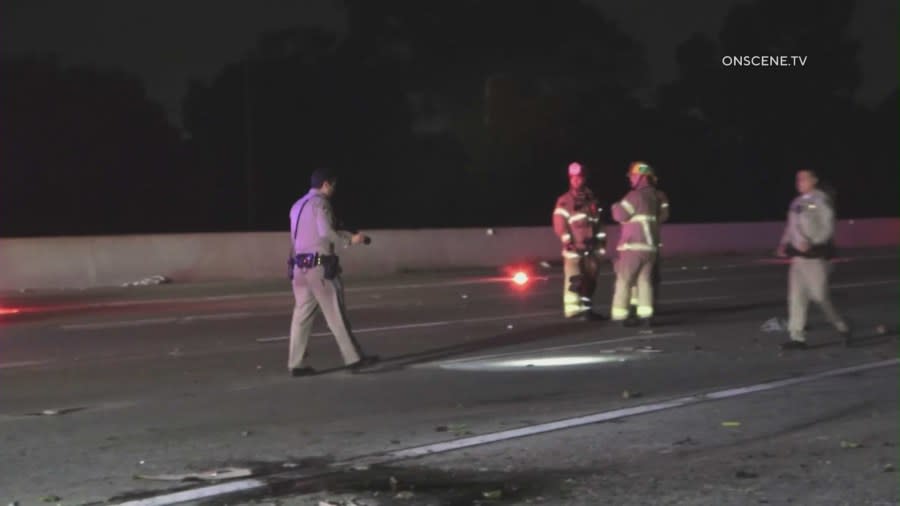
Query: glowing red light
point(7, 310)
point(520, 278)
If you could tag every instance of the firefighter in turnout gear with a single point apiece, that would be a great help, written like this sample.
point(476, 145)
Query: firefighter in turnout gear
point(576, 221)
point(640, 214)
point(656, 279)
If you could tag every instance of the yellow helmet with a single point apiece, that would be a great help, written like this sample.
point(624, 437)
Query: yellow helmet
point(642, 169)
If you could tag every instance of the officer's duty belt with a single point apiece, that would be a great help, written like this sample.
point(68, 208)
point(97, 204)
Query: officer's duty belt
point(310, 260)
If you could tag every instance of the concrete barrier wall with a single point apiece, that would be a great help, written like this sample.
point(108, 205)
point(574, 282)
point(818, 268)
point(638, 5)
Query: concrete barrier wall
point(79, 262)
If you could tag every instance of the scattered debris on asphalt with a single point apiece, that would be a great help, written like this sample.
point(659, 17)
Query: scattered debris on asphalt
point(850, 444)
point(631, 395)
point(774, 325)
point(246, 433)
point(889, 468)
point(289, 465)
point(51, 498)
point(152, 280)
point(54, 412)
point(493, 494)
point(214, 475)
point(406, 494)
point(731, 424)
point(745, 474)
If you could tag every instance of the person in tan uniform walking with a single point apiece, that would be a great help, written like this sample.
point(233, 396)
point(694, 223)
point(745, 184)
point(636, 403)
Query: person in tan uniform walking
point(315, 274)
point(576, 222)
point(808, 240)
point(640, 214)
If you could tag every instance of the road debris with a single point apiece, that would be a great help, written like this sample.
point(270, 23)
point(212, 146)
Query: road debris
point(889, 468)
point(509, 327)
point(394, 484)
point(157, 279)
point(745, 474)
point(406, 494)
point(545, 264)
point(686, 441)
point(493, 495)
point(289, 465)
point(214, 475)
point(55, 412)
point(774, 325)
point(176, 352)
point(631, 395)
point(850, 444)
point(731, 424)
point(464, 296)
point(246, 433)
point(489, 231)
point(881, 330)
point(649, 349)
point(51, 498)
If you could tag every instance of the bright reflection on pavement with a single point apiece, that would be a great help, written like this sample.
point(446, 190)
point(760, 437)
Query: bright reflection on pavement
point(501, 364)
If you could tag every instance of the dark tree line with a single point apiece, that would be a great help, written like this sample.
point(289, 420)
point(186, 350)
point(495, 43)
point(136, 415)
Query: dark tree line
point(459, 113)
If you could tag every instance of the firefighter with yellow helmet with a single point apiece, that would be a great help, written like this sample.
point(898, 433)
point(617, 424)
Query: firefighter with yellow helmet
point(576, 221)
point(640, 214)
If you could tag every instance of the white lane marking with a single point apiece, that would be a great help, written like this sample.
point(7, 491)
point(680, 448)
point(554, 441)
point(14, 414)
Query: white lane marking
point(25, 363)
point(426, 324)
point(868, 283)
point(231, 316)
point(225, 316)
point(470, 281)
point(444, 323)
point(569, 423)
point(638, 337)
point(198, 493)
point(118, 324)
point(495, 437)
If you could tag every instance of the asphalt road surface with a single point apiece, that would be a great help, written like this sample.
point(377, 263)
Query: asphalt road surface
point(486, 395)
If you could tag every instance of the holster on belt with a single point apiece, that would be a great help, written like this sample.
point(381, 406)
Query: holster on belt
point(330, 263)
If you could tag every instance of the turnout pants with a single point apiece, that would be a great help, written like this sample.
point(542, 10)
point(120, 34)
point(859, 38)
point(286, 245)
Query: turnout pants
point(633, 269)
point(580, 302)
point(313, 291)
point(808, 281)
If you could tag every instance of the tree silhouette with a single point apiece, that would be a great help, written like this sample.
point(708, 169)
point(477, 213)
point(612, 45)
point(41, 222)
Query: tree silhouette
point(84, 151)
point(426, 104)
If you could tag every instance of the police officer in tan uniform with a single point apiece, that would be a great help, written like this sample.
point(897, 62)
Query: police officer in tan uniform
point(640, 214)
point(576, 221)
point(808, 240)
point(316, 275)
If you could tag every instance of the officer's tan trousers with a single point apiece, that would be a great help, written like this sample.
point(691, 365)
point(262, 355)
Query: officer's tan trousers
point(633, 269)
point(312, 291)
point(808, 281)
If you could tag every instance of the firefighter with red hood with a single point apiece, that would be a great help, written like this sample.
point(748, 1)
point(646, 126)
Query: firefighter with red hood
point(576, 221)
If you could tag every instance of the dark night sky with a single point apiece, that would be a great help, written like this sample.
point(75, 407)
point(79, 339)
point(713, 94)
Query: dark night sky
point(167, 42)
